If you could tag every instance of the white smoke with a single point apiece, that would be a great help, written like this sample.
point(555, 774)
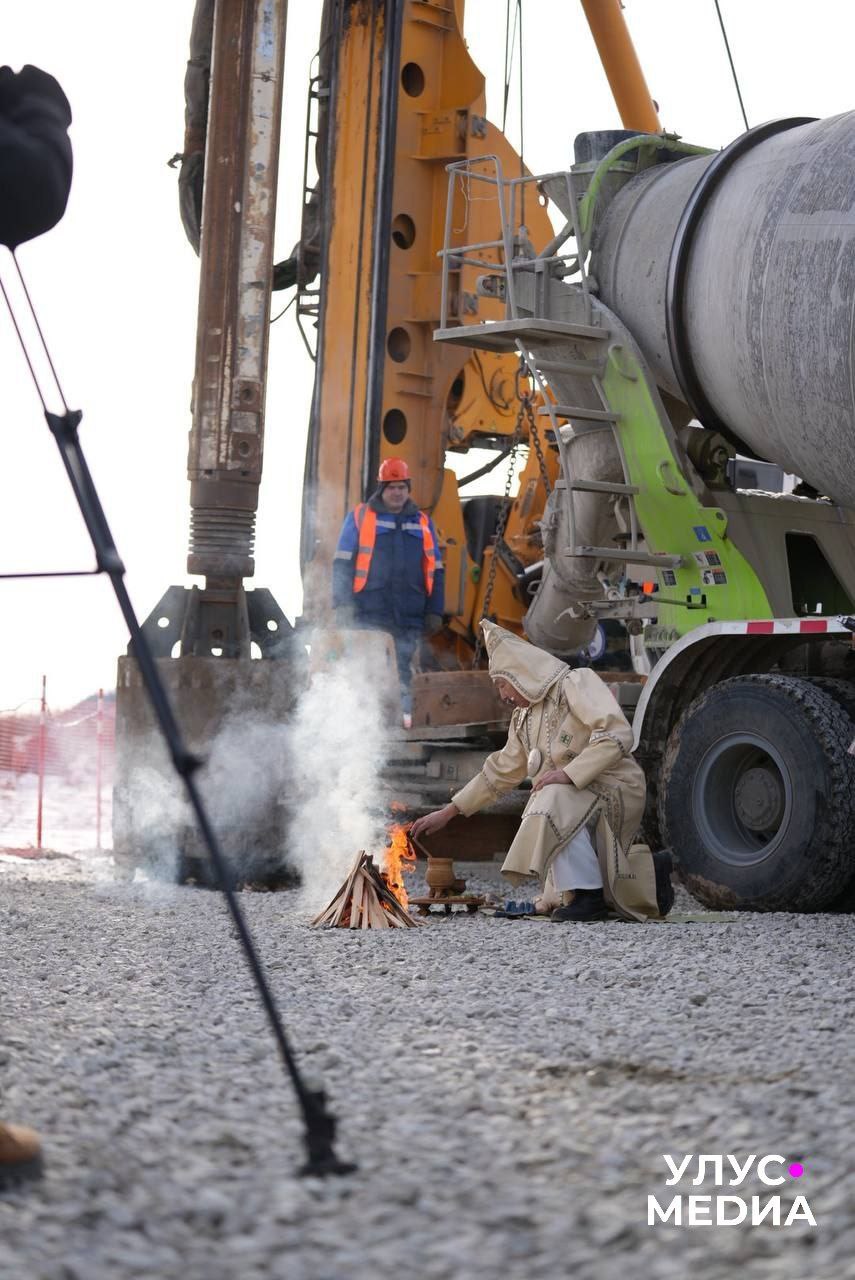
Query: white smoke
point(243, 783)
point(337, 742)
point(150, 814)
point(294, 789)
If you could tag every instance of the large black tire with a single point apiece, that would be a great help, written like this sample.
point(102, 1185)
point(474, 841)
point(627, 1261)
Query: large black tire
point(840, 691)
point(843, 693)
point(757, 796)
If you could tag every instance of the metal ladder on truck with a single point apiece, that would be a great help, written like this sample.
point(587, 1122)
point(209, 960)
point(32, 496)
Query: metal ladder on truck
point(556, 351)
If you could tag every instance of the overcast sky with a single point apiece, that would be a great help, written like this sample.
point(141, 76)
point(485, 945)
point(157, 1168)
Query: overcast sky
point(116, 282)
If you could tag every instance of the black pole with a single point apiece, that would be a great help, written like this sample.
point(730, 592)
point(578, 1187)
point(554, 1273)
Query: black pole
point(319, 1122)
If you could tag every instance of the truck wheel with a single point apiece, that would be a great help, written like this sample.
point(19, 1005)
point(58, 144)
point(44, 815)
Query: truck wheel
point(840, 691)
point(757, 796)
point(843, 693)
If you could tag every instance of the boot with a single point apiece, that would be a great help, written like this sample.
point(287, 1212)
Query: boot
point(20, 1155)
point(663, 866)
point(587, 904)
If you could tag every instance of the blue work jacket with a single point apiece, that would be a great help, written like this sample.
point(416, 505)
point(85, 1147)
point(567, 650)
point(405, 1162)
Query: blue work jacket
point(394, 596)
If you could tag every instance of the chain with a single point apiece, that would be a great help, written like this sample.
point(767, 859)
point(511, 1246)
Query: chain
point(526, 400)
point(534, 436)
point(501, 521)
point(525, 414)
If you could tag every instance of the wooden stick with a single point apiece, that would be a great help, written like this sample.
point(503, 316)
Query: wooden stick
point(341, 898)
point(366, 895)
point(356, 902)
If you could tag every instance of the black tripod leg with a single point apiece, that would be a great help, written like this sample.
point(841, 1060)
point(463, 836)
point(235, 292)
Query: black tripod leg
point(320, 1124)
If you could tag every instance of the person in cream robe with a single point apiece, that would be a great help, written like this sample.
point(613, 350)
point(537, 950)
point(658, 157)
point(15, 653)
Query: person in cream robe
point(568, 734)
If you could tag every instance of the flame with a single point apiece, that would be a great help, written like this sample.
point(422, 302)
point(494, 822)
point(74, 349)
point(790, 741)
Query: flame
point(399, 858)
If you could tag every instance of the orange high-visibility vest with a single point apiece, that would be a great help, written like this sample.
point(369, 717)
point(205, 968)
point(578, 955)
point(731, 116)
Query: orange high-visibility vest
point(366, 531)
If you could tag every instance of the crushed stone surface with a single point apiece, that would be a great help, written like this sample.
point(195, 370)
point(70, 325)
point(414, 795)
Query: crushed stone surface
point(507, 1088)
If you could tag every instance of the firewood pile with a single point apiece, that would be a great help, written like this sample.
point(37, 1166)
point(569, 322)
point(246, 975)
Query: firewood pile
point(365, 901)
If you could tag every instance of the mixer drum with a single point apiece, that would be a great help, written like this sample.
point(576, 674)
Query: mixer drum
point(736, 275)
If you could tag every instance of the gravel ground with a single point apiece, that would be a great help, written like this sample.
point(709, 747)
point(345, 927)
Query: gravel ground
point(507, 1088)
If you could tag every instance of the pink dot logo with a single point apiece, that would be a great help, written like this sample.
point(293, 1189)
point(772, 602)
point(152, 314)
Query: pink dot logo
point(796, 1170)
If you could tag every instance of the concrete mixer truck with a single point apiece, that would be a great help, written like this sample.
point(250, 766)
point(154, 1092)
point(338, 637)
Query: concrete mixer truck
point(686, 332)
point(691, 323)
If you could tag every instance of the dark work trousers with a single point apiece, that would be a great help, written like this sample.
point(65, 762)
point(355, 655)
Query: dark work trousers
point(406, 643)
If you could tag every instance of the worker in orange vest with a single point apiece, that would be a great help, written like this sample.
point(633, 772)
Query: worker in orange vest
point(387, 571)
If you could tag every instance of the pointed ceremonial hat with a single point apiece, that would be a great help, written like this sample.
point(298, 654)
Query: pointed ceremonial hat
point(531, 671)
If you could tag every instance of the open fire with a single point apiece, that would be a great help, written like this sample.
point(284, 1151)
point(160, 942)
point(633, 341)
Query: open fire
point(399, 860)
point(371, 898)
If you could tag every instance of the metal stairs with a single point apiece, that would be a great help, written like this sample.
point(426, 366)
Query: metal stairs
point(505, 335)
point(562, 355)
point(571, 423)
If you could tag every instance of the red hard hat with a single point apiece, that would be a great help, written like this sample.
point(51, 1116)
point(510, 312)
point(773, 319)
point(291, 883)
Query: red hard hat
point(392, 469)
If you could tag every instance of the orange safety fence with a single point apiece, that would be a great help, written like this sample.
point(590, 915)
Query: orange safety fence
point(56, 775)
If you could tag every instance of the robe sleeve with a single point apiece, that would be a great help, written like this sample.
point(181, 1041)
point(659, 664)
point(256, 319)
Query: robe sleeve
point(610, 735)
point(500, 772)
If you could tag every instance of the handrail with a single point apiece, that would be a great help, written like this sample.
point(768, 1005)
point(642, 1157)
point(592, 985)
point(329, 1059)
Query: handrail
point(455, 256)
